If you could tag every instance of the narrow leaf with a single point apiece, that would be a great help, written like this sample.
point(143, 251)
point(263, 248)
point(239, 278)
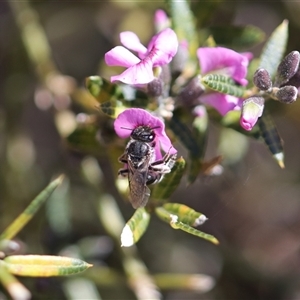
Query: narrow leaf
point(271, 137)
point(84, 139)
point(185, 214)
point(102, 89)
point(164, 189)
point(184, 134)
point(194, 168)
point(15, 288)
point(44, 265)
point(135, 227)
point(223, 84)
point(184, 24)
point(274, 49)
point(184, 227)
point(30, 211)
point(173, 220)
point(112, 108)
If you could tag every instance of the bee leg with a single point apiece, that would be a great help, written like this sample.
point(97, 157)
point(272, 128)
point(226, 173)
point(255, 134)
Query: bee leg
point(123, 172)
point(165, 164)
point(153, 177)
point(123, 158)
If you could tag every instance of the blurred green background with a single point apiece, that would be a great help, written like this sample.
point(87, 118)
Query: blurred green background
point(253, 206)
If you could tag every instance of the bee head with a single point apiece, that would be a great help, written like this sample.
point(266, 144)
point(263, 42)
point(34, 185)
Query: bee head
point(144, 134)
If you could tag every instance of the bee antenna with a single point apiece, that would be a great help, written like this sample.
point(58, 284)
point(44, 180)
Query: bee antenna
point(155, 127)
point(126, 128)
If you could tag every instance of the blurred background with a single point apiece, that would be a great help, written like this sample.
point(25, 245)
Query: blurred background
point(253, 206)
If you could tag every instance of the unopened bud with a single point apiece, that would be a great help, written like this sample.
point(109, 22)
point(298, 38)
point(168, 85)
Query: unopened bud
point(262, 80)
point(252, 109)
point(155, 88)
point(287, 68)
point(190, 93)
point(287, 94)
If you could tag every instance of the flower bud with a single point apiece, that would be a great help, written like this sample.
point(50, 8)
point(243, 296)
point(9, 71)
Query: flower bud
point(287, 94)
point(252, 109)
point(190, 93)
point(262, 80)
point(155, 88)
point(287, 68)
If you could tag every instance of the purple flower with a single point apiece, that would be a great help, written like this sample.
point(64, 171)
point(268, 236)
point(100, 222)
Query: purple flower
point(227, 62)
point(252, 109)
point(161, 49)
point(133, 117)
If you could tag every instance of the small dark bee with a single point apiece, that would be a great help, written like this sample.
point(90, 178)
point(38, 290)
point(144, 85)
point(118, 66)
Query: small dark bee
point(141, 169)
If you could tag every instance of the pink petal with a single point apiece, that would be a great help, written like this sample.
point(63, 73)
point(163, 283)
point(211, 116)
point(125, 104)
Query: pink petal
point(120, 56)
point(225, 61)
point(161, 20)
point(221, 102)
point(252, 109)
point(140, 73)
point(134, 117)
point(130, 40)
point(163, 47)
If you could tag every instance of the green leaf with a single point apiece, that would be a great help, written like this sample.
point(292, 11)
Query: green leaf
point(236, 37)
point(30, 211)
point(102, 89)
point(173, 220)
point(135, 227)
point(223, 84)
point(194, 168)
point(112, 108)
point(184, 24)
point(84, 139)
point(184, 227)
point(274, 49)
point(164, 189)
point(271, 137)
point(184, 134)
point(185, 214)
point(44, 265)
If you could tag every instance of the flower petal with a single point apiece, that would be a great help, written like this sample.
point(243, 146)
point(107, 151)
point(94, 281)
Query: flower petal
point(224, 60)
point(221, 102)
point(120, 56)
point(252, 109)
point(163, 47)
point(130, 40)
point(134, 117)
point(140, 73)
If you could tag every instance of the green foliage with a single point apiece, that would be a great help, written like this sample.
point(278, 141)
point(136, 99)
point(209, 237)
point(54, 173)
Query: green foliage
point(271, 137)
point(102, 89)
point(184, 24)
point(30, 211)
point(135, 227)
point(164, 189)
point(43, 265)
point(174, 221)
point(84, 139)
point(223, 84)
point(236, 37)
point(274, 49)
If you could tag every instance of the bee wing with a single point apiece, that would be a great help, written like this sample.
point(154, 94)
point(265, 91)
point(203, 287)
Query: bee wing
point(139, 192)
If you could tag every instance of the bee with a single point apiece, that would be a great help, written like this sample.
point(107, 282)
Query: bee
point(142, 169)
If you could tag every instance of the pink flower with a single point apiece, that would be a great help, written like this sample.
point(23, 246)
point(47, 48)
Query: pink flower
point(227, 62)
point(161, 49)
point(252, 109)
point(133, 117)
